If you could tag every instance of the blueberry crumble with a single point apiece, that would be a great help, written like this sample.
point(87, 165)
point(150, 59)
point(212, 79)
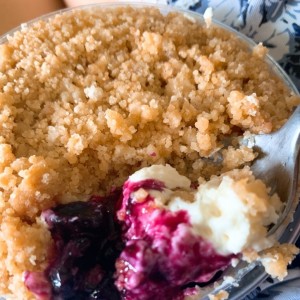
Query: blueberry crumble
point(155, 238)
point(90, 96)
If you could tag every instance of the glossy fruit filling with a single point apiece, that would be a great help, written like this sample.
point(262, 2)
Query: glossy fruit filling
point(140, 252)
point(87, 242)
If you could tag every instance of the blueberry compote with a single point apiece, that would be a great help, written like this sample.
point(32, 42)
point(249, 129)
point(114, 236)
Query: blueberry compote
point(155, 255)
point(87, 241)
point(162, 254)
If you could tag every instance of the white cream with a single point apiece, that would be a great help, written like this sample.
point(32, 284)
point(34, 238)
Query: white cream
point(171, 178)
point(229, 212)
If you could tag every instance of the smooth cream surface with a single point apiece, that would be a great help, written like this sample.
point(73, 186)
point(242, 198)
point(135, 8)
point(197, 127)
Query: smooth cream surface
point(168, 175)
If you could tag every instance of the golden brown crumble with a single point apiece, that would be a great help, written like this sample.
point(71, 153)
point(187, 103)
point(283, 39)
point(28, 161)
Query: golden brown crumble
point(89, 97)
point(274, 259)
point(222, 295)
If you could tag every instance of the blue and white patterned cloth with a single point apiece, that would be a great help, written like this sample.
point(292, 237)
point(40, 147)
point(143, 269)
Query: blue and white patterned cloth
point(275, 23)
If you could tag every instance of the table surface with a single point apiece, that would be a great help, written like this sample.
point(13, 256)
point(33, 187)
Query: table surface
point(15, 12)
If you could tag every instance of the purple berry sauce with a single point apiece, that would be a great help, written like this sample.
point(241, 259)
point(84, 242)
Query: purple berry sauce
point(140, 252)
point(162, 255)
point(87, 242)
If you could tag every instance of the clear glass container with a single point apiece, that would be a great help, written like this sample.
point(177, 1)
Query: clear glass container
point(247, 276)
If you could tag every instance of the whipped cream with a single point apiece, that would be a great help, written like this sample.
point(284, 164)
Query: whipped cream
point(166, 174)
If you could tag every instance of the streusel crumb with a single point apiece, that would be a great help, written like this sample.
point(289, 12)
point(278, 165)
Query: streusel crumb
point(277, 258)
point(222, 295)
point(90, 96)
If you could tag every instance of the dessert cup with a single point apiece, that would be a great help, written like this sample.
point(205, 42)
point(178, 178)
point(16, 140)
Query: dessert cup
point(245, 277)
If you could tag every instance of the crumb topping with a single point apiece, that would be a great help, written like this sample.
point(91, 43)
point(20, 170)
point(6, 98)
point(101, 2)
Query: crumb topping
point(90, 96)
point(222, 295)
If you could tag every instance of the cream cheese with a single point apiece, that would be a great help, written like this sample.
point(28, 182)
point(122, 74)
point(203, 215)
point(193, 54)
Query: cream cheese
point(230, 212)
point(166, 174)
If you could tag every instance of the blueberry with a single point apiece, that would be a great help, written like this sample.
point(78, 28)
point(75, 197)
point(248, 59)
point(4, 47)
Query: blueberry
point(73, 218)
point(87, 241)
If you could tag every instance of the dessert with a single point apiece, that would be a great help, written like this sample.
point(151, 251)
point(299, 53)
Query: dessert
point(90, 96)
point(168, 238)
point(87, 242)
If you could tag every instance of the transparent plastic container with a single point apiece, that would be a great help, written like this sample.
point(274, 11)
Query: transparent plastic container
point(246, 276)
